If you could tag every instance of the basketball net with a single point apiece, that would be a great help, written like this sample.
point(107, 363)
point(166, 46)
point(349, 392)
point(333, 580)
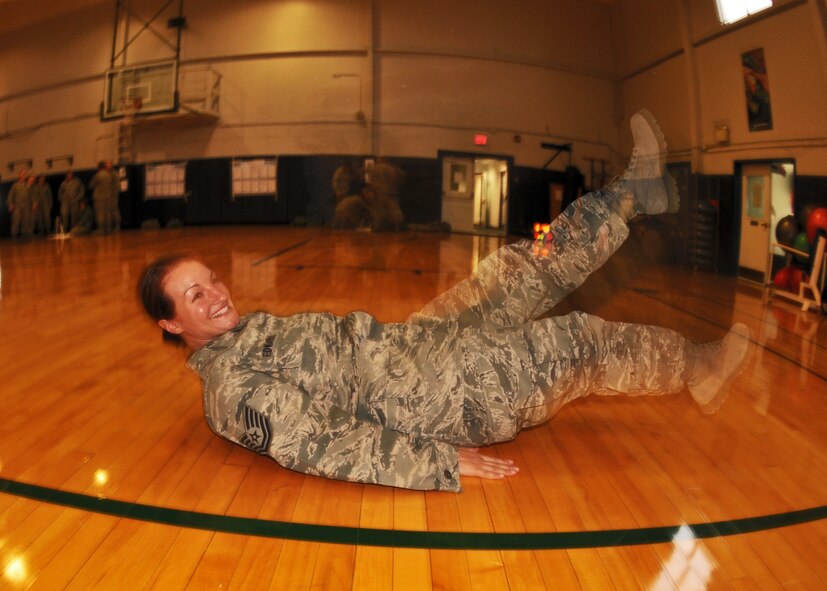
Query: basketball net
point(130, 107)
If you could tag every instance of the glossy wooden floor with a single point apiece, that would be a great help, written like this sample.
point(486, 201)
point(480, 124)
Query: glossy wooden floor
point(93, 403)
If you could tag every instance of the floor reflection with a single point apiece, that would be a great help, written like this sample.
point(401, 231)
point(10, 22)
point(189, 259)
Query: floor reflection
point(689, 567)
point(15, 572)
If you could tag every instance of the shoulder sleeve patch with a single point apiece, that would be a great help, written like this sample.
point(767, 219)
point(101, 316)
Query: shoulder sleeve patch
point(257, 433)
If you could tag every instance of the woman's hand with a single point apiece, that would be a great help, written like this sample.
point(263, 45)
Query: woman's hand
point(473, 463)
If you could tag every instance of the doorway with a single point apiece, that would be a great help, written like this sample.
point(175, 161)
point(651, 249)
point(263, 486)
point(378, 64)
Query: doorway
point(491, 176)
point(766, 197)
point(475, 193)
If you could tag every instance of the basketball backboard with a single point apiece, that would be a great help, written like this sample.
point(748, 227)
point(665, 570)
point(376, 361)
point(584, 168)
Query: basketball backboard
point(141, 90)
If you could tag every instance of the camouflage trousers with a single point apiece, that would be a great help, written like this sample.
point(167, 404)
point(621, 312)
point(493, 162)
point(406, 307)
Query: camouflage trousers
point(41, 220)
point(108, 214)
point(69, 212)
point(21, 221)
point(512, 369)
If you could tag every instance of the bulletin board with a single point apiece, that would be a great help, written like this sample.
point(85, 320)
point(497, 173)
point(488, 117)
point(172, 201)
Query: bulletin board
point(255, 176)
point(165, 181)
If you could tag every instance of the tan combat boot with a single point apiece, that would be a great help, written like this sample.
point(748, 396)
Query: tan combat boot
point(646, 177)
point(712, 367)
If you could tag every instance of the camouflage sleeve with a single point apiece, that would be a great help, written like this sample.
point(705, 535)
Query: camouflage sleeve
point(283, 422)
point(337, 445)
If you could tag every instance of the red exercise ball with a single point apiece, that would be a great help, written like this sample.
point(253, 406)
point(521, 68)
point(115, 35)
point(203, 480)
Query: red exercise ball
point(816, 221)
point(796, 277)
point(804, 213)
point(783, 277)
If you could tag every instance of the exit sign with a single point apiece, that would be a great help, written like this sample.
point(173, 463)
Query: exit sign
point(480, 139)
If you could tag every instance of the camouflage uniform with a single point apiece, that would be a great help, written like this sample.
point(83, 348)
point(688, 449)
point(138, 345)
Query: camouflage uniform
point(83, 221)
point(42, 202)
point(102, 189)
point(19, 202)
point(353, 399)
point(69, 194)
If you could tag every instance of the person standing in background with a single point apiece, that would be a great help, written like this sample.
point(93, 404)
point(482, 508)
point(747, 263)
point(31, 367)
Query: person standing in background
point(70, 194)
point(19, 203)
point(101, 186)
point(42, 202)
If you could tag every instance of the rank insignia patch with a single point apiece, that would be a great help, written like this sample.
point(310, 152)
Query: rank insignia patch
point(256, 431)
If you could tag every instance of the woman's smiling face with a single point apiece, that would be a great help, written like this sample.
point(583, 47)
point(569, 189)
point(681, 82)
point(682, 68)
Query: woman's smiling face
point(203, 307)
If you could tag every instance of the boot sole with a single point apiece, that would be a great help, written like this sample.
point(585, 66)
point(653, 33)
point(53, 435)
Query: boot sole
point(673, 199)
point(656, 131)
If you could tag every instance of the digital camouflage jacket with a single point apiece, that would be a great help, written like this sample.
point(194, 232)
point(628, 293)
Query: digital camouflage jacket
point(316, 392)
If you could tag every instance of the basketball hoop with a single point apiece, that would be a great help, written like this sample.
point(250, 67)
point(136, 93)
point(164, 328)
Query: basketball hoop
point(130, 106)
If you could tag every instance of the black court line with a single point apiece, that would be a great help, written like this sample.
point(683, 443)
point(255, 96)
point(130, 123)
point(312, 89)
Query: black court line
point(278, 253)
point(787, 358)
point(407, 538)
point(720, 303)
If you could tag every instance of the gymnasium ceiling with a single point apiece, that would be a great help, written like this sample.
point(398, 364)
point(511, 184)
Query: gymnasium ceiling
point(18, 13)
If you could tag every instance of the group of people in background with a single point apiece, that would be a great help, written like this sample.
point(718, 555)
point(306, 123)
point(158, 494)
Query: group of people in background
point(369, 197)
point(30, 202)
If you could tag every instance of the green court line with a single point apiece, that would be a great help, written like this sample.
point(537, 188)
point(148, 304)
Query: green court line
point(406, 538)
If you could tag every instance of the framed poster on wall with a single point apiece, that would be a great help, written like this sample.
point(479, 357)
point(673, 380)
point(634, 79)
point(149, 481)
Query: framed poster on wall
point(757, 87)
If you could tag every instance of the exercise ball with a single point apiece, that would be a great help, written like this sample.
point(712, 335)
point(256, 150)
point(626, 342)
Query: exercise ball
point(796, 277)
point(816, 221)
point(786, 230)
point(804, 213)
point(801, 243)
point(782, 278)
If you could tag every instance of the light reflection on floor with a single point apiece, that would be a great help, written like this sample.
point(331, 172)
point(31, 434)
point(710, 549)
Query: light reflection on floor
point(689, 568)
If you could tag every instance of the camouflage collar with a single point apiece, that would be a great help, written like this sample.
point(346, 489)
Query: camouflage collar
point(201, 358)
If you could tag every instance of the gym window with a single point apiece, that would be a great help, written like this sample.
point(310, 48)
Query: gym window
point(730, 11)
